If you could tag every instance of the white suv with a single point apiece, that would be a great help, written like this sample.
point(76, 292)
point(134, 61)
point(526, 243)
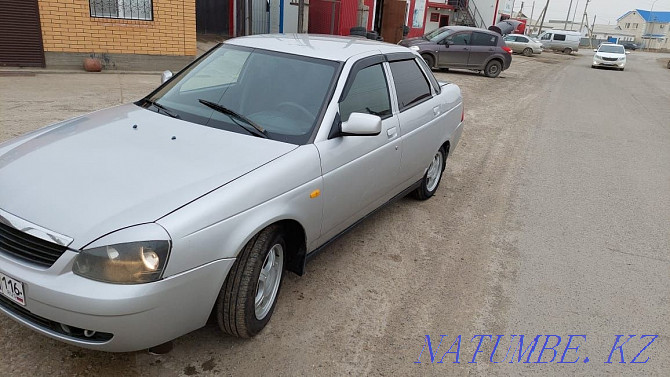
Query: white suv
point(610, 55)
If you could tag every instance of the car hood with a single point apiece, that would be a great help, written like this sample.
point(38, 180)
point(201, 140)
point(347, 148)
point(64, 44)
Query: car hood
point(98, 173)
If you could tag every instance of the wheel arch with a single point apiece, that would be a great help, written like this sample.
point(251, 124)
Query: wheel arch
point(432, 56)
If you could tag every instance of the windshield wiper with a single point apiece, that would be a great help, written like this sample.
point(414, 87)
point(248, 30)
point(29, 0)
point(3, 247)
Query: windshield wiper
point(161, 107)
point(257, 131)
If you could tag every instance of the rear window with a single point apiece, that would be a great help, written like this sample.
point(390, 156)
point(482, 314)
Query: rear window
point(484, 39)
point(410, 84)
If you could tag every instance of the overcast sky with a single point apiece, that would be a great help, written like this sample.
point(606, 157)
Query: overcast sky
point(606, 10)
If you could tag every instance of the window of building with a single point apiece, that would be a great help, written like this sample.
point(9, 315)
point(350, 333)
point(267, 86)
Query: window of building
point(635, 26)
point(662, 26)
point(368, 94)
point(627, 26)
point(125, 9)
point(410, 84)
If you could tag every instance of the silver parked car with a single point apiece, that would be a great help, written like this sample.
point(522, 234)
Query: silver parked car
point(523, 44)
point(128, 227)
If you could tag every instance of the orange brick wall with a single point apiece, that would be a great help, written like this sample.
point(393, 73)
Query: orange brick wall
point(67, 26)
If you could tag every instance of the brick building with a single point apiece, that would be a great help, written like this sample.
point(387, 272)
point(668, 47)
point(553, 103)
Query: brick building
point(121, 32)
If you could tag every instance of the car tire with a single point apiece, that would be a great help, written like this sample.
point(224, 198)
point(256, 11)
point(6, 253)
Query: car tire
point(431, 179)
point(567, 51)
point(528, 51)
point(260, 265)
point(429, 61)
point(493, 68)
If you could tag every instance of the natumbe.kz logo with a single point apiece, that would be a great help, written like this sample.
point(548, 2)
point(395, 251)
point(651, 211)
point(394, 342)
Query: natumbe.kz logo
point(542, 349)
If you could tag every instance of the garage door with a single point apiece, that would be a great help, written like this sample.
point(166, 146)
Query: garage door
point(20, 34)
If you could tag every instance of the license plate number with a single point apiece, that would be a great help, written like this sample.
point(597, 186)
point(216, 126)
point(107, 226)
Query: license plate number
point(12, 289)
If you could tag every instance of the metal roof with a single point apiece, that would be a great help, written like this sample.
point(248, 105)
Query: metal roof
point(655, 16)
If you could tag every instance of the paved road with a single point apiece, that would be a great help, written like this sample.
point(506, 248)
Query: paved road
point(553, 219)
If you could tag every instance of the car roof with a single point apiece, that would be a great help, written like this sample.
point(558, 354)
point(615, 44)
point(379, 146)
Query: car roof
point(337, 48)
point(469, 28)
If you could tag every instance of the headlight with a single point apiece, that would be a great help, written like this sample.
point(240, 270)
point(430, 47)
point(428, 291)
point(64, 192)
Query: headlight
point(597, 56)
point(124, 263)
point(415, 48)
point(622, 58)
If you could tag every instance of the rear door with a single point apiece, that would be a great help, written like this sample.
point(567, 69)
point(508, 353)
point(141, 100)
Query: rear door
point(483, 46)
point(455, 50)
point(418, 116)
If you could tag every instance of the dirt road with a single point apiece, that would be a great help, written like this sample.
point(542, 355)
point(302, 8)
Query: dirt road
point(469, 261)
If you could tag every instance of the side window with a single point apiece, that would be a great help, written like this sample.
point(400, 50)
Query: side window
point(510, 39)
point(410, 84)
point(559, 37)
point(459, 39)
point(484, 39)
point(546, 37)
point(522, 39)
point(368, 94)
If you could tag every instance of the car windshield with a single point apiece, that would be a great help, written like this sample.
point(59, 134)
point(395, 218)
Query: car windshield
point(241, 89)
point(438, 34)
point(612, 49)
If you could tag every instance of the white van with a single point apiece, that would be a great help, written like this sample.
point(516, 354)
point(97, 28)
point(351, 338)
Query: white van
point(560, 40)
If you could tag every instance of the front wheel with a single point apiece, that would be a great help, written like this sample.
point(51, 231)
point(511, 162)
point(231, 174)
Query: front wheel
point(493, 68)
point(567, 51)
point(249, 294)
point(433, 175)
point(429, 61)
point(528, 51)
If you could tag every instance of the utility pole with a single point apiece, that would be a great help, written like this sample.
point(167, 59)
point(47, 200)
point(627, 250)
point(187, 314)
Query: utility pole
point(544, 13)
point(532, 10)
point(567, 16)
point(581, 25)
point(301, 16)
point(574, 14)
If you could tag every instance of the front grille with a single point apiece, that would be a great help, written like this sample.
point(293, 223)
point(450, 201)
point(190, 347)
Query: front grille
point(47, 324)
point(610, 59)
point(28, 247)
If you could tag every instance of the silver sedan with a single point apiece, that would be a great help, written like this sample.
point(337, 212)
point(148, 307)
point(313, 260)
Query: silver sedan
point(523, 44)
point(127, 227)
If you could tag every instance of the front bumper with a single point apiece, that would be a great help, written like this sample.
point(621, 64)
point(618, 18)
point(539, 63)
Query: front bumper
point(606, 63)
point(136, 316)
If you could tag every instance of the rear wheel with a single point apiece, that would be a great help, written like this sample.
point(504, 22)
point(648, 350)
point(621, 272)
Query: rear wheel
point(493, 68)
point(249, 294)
point(431, 180)
point(429, 61)
point(527, 51)
point(567, 51)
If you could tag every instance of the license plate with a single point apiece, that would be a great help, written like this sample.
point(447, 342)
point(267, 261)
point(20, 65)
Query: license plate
point(12, 289)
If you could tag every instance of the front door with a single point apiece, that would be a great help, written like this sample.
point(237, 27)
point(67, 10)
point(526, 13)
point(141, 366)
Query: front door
point(444, 20)
point(360, 172)
point(455, 50)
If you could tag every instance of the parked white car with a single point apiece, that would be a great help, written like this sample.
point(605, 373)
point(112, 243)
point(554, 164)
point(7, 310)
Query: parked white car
point(523, 44)
point(128, 227)
point(610, 55)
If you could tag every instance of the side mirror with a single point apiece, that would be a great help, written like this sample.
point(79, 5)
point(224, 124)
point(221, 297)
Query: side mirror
point(627, 52)
point(360, 124)
point(595, 50)
point(165, 76)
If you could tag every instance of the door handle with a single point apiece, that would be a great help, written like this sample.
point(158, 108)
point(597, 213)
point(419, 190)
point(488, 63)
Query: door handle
point(436, 110)
point(392, 132)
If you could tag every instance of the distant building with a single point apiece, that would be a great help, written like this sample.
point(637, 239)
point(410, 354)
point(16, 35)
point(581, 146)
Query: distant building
point(651, 29)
